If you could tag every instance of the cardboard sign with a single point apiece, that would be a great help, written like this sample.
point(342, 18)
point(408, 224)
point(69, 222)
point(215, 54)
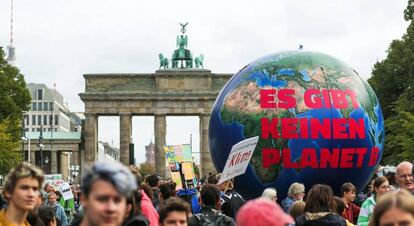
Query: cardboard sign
point(188, 170)
point(176, 177)
point(66, 191)
point(178, 153)
point(239, 159)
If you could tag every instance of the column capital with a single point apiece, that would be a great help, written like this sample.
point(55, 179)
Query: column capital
point(125, 113)
point(89, 114)
point(205, 114)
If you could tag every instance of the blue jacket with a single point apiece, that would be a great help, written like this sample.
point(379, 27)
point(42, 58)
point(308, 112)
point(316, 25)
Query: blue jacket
point(60, 214)
point(287, 203)
point(191, 196)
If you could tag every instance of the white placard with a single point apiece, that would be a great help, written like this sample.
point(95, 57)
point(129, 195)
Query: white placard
point(239, 158)
point(66, 191)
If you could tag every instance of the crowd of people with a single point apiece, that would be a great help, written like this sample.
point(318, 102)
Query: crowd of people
point(115, 195)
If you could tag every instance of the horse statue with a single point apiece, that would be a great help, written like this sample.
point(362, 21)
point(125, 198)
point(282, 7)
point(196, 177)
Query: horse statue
point(199, 61)
point(163, 61)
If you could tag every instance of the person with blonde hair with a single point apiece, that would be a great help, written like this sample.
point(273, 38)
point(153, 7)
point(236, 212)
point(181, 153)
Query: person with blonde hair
point(21, 190)
point(297, 209)
point(296, 193)
point(394, 208)
point(270, 194)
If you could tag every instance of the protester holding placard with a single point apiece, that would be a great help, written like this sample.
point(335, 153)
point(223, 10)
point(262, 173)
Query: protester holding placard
point(231, 201)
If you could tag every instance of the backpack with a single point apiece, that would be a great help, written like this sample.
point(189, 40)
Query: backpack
point(211, 219)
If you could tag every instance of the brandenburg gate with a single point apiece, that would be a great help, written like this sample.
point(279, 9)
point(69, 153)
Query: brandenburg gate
point(182, 90)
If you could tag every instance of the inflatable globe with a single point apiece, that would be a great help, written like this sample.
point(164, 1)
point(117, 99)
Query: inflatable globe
point(317, 121)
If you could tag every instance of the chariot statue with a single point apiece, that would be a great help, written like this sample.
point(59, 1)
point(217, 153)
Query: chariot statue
point(182, 55)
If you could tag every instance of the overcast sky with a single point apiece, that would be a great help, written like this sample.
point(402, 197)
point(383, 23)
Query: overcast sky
point(60, 40)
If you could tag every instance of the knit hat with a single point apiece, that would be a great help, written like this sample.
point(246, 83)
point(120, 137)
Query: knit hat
point(262, 212)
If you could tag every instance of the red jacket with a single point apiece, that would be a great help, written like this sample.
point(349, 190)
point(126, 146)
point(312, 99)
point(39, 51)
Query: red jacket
point(148, 210)
point(351, 211)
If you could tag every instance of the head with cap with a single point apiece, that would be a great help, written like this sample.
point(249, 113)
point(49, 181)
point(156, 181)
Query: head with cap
point(262, 212)
point(105, 189)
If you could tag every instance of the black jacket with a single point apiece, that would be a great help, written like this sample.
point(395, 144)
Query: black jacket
point(231, 202)
point(320, 219)
point(210, 213)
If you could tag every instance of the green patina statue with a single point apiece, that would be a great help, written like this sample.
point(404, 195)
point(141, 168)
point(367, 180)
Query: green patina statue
point(182, 57)
point(199, 61)
point(163, 61)
point(182, 54)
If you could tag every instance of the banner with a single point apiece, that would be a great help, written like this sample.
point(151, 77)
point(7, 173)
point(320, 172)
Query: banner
point(54, 179)
point(239, 159)
point(178, 153)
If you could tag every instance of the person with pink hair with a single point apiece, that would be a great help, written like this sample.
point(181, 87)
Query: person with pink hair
point(262, 212)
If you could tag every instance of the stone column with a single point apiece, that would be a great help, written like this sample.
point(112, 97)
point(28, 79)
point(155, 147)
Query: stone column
point(32, 156)
point(160, 131)
point(205, 159)
point(125, 132)
point(91, 138)
point(53, 161)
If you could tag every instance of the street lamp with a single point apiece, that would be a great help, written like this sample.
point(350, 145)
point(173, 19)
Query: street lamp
point(27, 139)
point(41, 146)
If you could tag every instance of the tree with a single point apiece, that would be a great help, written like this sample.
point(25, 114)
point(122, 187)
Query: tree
point(14, 99)
point(9, 148)
point(399, 141)
point(14, 96)
point(393, 81)
point(146, 168)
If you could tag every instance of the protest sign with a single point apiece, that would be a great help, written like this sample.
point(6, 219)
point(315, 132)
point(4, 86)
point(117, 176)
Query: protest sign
point(54, 179)
point(66, 191)
point(239, 158)
point(176, 177)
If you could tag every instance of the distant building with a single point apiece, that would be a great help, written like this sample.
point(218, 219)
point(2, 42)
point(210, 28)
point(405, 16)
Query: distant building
point(107, 153)
point(48, 111)
point(56, 149)
point(150, 153)
point(76, 121)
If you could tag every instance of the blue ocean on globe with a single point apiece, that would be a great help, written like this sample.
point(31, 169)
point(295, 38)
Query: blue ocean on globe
point(237, 112)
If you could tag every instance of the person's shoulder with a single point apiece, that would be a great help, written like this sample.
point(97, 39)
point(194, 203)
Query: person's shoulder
point(193, 220)
point(229, 221)
point(333, 218)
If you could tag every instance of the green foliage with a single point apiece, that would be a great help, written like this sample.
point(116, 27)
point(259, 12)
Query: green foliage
point(399, 141)
point(9, 149)
point(14, 96)
point(196, 170)
point(409, 11)
point(393, 81)
point(146, 169)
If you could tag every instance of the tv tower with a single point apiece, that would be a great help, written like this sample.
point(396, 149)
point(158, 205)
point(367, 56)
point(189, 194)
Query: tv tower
point(11, 50)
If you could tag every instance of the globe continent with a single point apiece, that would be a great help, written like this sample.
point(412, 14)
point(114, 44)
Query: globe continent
point(237, 115)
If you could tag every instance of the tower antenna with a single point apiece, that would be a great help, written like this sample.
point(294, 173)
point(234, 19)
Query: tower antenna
point(11, 56)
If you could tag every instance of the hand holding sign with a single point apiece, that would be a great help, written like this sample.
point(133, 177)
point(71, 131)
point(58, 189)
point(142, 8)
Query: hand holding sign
point(239, 158)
